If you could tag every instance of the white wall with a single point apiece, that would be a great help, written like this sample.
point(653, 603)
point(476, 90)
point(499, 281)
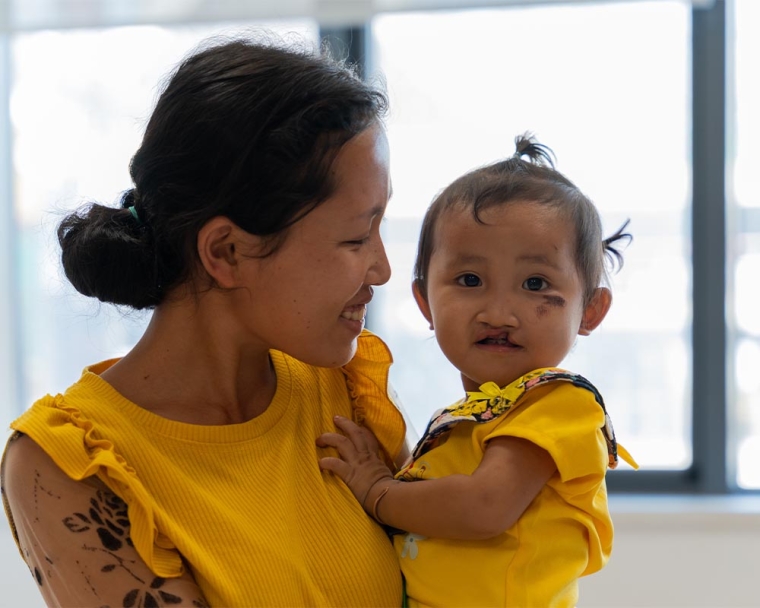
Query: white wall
point(680, 552)
point(19, 589)
point(669, 552)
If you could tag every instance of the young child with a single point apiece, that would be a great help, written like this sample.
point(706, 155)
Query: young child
point(513, 508)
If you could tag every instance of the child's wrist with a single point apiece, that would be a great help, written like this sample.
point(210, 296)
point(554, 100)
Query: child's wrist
point(376, 493)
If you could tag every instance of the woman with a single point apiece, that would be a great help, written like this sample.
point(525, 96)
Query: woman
point(185, 472)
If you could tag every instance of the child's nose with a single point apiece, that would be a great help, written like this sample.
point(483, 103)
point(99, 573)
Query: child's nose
point(500, 312)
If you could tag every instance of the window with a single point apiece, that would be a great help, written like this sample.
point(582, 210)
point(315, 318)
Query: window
point(79, 101)
point(618, 121)
point(744, 248)
point(631, 96)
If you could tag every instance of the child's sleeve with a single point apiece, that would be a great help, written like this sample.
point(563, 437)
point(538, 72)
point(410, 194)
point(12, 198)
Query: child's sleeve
point(563, 419)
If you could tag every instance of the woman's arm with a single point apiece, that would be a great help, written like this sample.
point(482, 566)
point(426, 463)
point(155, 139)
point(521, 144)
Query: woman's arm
point(476, 506)
point(75, 538)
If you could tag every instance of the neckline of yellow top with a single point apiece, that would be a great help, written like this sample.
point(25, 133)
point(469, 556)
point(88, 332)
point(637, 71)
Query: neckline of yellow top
point(225, 433)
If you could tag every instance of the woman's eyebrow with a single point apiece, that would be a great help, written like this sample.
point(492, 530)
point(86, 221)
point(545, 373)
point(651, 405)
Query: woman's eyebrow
point(370, 213)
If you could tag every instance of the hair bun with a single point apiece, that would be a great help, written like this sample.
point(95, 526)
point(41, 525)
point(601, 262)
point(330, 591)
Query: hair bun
point(107, 255)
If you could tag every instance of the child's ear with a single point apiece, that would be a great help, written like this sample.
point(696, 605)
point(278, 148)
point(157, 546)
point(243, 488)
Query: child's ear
point(422, 302)
point(595, 311)
point(218, 245)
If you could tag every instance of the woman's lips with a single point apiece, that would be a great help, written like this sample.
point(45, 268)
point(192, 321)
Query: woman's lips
point(354, 313)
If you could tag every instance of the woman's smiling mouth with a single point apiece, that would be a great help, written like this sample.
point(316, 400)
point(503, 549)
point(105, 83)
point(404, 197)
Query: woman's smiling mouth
point(354, 313)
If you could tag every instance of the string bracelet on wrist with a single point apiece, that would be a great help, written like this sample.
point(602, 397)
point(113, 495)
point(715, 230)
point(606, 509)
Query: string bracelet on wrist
point(383, 492)
point(364, 498)
point(368, 490)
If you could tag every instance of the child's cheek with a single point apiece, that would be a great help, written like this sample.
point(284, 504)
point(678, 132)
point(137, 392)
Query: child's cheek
point(549, 302)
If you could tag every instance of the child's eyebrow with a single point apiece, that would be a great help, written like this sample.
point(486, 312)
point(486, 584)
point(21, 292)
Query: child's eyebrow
point(538, 259)
point(469, 258)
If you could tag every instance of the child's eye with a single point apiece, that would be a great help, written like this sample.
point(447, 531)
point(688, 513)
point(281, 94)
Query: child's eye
point(469, 280)
point(535, 284)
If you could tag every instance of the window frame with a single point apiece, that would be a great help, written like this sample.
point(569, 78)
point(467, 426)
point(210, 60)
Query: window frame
point(712, 469)
point(710, 472)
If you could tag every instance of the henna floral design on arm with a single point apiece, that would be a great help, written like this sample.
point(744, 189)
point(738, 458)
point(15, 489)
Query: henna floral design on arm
point(47, 510)
point(107, 516)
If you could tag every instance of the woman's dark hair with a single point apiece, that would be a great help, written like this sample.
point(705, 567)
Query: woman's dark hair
point(245, 129)
point(536, 181)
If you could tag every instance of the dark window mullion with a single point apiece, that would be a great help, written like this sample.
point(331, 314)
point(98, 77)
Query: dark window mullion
point(709, 247)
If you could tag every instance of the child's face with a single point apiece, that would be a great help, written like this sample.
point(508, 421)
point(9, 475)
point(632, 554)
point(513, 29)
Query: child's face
point(505, 297)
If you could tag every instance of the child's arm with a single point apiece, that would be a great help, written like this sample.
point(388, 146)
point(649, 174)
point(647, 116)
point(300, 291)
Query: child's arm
point(403, 456)
point(476, 506)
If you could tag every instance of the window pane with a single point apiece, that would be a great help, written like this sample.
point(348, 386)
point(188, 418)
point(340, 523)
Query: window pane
point(79, 102)
point(616, 111)
point(744, 248)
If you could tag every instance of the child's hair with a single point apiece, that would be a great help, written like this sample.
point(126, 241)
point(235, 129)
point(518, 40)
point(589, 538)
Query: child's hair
point(245, 129)
point(536, 181)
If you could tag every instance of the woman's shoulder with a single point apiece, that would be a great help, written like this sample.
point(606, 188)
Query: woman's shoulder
point(24, 463)
point(22, 459)
point(26, 471)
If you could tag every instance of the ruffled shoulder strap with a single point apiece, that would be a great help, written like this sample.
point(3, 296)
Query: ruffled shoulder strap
point(374, 402)
point(74, 444)
point(492, 401)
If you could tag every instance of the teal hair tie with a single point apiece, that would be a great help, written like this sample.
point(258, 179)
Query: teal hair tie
point(133, 211)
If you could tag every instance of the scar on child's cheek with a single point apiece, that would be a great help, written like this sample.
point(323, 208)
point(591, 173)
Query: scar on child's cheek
point(553, 301)
point(557, 301)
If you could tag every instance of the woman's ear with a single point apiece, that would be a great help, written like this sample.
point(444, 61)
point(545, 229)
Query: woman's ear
point(595, 310)
point(422, 302)
point(219, 250)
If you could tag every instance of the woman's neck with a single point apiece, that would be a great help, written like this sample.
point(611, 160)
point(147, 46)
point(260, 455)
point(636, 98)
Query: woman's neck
point(192, 365)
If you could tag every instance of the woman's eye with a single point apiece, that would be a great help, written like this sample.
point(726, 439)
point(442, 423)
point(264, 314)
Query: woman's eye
point(358, 242)
point(469, 280)
point(534, 284)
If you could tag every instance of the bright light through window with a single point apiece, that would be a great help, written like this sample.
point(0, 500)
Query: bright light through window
point(744, 249)
point(607, 88)
point(80, 100)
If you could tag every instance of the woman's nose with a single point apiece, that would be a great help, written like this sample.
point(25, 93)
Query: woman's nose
point(380, 271)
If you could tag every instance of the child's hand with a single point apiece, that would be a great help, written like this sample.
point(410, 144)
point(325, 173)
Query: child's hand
point(359, 465)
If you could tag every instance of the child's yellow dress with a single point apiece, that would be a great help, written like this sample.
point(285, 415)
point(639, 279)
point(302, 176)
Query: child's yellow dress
point(565, 533)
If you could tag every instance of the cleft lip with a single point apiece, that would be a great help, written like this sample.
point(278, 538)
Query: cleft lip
point(493, 334)
point(496, 337)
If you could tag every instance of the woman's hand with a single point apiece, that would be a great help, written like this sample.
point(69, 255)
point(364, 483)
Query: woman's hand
point(359, 465)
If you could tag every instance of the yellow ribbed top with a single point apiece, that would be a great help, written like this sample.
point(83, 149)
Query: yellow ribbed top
point(245, 505)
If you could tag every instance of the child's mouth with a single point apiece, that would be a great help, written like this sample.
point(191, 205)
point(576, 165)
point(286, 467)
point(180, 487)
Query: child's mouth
point(494, 341)
point(501, 340)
